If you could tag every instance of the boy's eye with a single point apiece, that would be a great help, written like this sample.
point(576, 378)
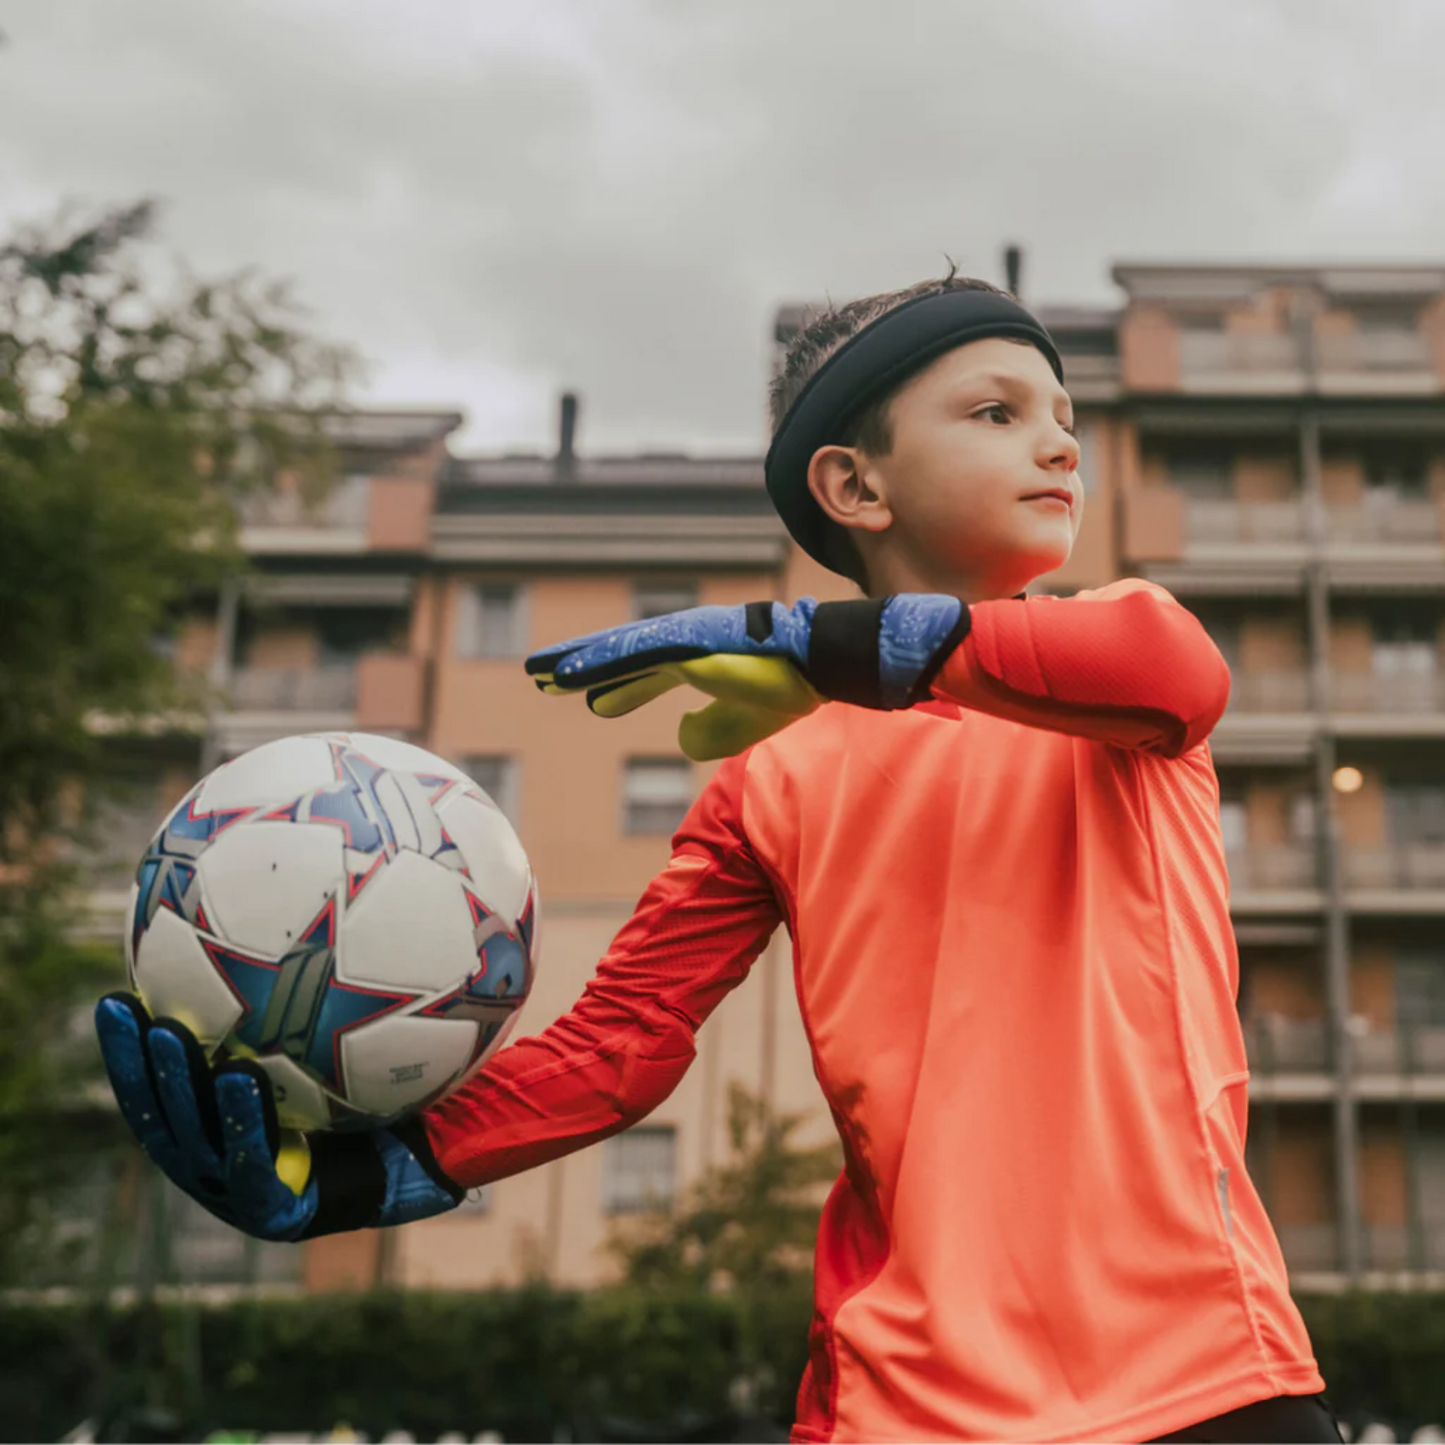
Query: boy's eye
point(997, 411)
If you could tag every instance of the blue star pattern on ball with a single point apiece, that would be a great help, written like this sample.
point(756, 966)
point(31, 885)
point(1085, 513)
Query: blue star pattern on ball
point(295, 1005)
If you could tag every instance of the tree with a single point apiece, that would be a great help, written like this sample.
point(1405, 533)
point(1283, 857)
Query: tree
point(747, 1228)
point(747, 1224)
point(133, 410)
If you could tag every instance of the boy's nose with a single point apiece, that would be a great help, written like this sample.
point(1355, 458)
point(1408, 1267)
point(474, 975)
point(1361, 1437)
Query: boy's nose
point(1061, 451)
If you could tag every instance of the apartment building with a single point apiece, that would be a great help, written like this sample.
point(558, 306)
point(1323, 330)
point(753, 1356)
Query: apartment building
point(1267, 443)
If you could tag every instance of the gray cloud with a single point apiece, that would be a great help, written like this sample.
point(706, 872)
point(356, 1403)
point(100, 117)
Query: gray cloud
point(498, 204)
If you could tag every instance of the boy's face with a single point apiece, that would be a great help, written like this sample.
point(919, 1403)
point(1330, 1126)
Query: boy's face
point(977, 437)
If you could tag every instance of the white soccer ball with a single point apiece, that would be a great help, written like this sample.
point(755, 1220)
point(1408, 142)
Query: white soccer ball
point(350, 911)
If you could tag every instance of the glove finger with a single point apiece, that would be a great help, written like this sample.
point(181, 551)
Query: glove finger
point(771, 683)
point(121, 1024)
point(614, 660)
point(183, 1079)
point(615, 699)
point(725, 728)
point(270, 1206)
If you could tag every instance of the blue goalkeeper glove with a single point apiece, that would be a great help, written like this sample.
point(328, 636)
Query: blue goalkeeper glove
point(764, 664)
point(214, 1133)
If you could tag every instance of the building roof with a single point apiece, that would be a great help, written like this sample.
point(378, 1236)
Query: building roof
point(399, 428)
point(655, 470)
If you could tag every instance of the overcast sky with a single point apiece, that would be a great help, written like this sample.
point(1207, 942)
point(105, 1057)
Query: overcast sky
point(497, 199)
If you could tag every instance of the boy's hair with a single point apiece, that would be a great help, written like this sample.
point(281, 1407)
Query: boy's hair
point(824, 333)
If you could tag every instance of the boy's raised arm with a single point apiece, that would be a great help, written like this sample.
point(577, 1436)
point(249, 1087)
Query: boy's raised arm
point(627, 1042)
point(1126, 665)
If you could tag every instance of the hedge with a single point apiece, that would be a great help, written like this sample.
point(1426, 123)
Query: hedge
point(535, 1364)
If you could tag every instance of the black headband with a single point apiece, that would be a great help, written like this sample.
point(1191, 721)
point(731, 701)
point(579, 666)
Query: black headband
point(869, 365)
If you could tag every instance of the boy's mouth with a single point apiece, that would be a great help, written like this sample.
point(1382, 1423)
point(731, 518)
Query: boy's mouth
point(1062, 493)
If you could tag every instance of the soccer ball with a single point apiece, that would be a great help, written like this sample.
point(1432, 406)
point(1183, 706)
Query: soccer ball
point(350, 911)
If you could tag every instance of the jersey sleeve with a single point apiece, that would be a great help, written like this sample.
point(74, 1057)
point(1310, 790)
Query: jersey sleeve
point(624, 1046)
point(1126, 665)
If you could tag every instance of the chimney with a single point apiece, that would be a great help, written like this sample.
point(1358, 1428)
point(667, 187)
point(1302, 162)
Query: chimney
point(1013, 262)
point(567, 433)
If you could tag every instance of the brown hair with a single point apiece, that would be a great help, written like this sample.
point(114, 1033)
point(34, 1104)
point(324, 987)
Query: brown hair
point(824, 333)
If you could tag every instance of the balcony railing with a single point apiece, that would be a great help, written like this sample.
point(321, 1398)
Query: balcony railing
point(1264, 692)
point(1222, 352)
point(1265, 868)
point(1279, 1045)
point(1369, 692)
point(342, 508)
point(1210, 521)
point(293, 689)
point(1384, 518)
point(1373, 351)
point(1397, 1247)
point(1414, 865)
point(1410, 1049)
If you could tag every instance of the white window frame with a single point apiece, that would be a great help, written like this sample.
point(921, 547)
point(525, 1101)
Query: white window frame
point(634, 770)
point(629, 1181)
point(472, 642)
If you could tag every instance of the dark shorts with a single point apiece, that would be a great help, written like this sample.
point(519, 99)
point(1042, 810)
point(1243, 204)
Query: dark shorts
point(1285, 1418)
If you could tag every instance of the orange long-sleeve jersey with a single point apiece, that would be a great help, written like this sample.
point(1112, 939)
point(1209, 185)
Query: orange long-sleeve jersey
point(1015, 964)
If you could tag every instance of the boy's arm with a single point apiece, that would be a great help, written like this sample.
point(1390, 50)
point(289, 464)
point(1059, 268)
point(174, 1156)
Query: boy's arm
point(1125, 665)
point(627, 1042)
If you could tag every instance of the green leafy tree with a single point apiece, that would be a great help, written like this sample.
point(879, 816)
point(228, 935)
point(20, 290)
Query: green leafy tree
point(748, 1223)
point(136, 403)
point(745, 1230)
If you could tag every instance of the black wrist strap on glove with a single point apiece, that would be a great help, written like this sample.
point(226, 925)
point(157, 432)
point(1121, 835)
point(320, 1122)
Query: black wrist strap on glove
point(844, 659)
point(351, 1178)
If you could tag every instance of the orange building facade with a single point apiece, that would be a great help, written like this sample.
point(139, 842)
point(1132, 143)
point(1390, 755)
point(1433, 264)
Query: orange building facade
point(1267, 443)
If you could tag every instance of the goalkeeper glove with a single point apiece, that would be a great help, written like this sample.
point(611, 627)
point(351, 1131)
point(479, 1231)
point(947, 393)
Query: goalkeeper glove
point(214, 1133)
point(764, 664)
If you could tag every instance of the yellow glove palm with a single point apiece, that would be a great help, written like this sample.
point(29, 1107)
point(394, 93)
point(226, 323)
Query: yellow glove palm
point(753, 697)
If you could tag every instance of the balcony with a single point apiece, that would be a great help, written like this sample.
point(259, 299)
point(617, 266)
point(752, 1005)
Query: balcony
point(1400, 1247)
point(1263, 868)
point(1370, 693)
point(1402, 867)
point(275, 702)
point(1276, 1044)
point(1230, 361)
point(1215, 523)
point(1385, 519)
point(1383, 350)
point(1269, 692)
point(1383, 362)
point(283, 520)
point(1410, 1050)
point(293, 689)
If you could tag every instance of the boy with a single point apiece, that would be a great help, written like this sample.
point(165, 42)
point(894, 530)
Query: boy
point(990, 824)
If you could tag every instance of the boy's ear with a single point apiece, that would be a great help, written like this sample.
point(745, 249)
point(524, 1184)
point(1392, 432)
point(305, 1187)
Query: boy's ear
point(847, 490)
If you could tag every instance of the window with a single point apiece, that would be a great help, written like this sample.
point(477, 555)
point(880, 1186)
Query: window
point(637, 1169)
point(1416, 813)
point(1395, 473)
point(490, 623)
point(1405, 649)
point(1203, 474)
point(344, 634)
point(656, 794)
point(1420, 988)
point(657, 599)
point(496, 776)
